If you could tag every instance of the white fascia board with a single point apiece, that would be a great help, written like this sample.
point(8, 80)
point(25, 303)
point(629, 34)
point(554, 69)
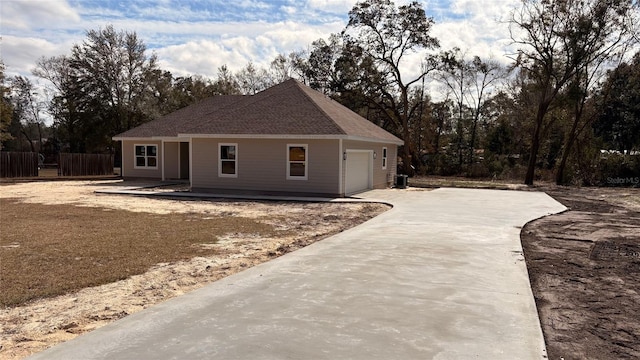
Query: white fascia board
point(379, 141)
point(151, 138)
point(258, 136)
point(287, 136)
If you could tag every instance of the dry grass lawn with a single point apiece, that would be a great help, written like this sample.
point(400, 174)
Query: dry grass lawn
point(49, 250)
point(72, 260)
point(460, 182)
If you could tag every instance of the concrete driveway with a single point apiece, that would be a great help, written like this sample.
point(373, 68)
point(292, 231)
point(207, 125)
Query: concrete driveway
point(440, 276)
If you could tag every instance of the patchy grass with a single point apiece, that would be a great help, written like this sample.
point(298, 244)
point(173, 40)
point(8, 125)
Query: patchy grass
point(48, 250)
point(460, 182)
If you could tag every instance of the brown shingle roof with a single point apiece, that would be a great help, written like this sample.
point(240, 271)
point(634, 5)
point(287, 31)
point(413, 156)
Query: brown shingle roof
point(289, 108)
point(177, 122)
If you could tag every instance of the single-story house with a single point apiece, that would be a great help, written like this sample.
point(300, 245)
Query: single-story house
point(286, 139)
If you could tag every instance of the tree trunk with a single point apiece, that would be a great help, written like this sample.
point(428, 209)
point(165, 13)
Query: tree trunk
point(535, 145)
point(26, 136)
point(563, 160)
point(472, 141)
point(531, 167)
point(565, 155)
point(459, 142)
point(40, 137)
point(573, 134)
point(407, 157)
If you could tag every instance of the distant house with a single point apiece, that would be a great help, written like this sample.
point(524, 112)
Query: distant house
point(286, 139)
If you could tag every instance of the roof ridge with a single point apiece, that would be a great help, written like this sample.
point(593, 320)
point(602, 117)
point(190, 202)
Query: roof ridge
point(304, 88)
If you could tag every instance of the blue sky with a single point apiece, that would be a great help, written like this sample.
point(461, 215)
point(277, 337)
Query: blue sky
point(197, 37)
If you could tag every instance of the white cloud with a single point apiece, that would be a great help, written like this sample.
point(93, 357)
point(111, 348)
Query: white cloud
point(197, 57)
point(20, 54)
point(257, 42)
point(477, 28)
point(289, 10)
point(26, 15)
point(338, 6)
point(191, 39)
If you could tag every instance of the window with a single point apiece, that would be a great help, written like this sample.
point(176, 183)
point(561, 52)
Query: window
point(296, 162)
point(384, 158)
point(227, 160)
point(146, 156)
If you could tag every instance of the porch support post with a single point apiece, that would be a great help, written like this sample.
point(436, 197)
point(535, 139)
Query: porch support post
point(162, 163)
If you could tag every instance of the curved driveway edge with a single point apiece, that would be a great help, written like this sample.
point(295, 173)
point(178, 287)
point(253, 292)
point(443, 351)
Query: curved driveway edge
point(440, 276)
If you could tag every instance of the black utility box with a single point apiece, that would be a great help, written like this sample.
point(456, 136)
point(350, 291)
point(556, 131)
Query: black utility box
point(401, 181)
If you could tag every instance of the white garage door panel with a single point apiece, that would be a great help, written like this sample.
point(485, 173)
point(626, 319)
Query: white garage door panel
point(357, 172)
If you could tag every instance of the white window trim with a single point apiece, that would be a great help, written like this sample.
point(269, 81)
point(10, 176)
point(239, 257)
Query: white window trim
point(306, 162)
point(385, 153)
point(220, 174)
point(135, 157)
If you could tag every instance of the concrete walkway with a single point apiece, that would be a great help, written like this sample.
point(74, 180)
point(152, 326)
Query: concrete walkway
point(136, 191)
point(440, 276)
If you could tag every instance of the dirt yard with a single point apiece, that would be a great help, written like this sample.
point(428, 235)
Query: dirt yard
point(584, 266)
point(41, 323)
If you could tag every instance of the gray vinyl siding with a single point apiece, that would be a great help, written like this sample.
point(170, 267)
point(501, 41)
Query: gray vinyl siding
point(128, 160)
point(171, 170)
point(382, 178)
point(262, 166)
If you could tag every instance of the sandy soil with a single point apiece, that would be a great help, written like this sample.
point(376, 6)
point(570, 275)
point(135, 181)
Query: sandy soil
point(584, 266)
point(40, 324)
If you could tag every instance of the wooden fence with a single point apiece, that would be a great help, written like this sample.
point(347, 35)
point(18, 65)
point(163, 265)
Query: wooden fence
point(18, 164)
point(85, 164)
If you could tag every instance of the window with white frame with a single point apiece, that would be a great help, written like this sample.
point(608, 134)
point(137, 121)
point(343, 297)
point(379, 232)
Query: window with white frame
point(146, 156)
point(297, 157)
point(228, 160)
point(384, 158)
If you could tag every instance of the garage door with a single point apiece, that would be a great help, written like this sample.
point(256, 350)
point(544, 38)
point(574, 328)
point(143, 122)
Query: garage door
point(357, 172)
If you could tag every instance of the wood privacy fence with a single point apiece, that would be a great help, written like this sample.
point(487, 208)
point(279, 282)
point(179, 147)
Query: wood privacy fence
point(85, 164)
point(18, 164)
point(25, 164)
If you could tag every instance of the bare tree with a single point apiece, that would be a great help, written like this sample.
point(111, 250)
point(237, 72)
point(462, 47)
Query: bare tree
point(28, 108)
point(605, 39)
point(64, 104)
point(555, 39)
point(388, 34)
point(6, 109)
point(470, 83)
point(252, 80)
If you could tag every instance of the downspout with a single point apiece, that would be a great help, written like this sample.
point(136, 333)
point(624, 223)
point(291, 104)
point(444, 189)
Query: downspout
point(341, 188)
